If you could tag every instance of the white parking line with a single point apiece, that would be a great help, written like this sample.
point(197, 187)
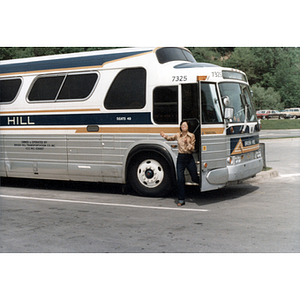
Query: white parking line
point(103, 204)
point(290, 175)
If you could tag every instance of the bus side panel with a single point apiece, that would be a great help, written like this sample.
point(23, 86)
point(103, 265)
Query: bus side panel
point(84, 157)
point(214, 151)
point(214, 162)
point(114, 154)
point(99, 157)
point(112, 157)
point(36, 156)
point(2, 157)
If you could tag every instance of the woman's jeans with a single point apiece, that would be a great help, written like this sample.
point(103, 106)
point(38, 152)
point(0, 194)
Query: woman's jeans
point(185, 161)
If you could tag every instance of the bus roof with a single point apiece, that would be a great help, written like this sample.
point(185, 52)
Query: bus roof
point(67, 61)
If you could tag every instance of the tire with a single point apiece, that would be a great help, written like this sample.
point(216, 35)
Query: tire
point(150, 175)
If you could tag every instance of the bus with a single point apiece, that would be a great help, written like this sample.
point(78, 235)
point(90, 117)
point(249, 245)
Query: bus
point(97, 116)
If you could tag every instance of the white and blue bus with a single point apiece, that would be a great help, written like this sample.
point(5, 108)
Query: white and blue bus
point(97, 116)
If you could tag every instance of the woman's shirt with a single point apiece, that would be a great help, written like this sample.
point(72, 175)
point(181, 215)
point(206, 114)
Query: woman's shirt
point(186, 145)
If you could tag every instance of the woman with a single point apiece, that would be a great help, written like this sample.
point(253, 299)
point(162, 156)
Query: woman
point(186, 146)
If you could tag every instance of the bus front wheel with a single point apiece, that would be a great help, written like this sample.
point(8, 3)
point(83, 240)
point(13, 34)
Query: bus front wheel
point(149, 175)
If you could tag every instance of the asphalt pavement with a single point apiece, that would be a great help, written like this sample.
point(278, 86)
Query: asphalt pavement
point(253, 217)
point(278, 159)
point(282, 133)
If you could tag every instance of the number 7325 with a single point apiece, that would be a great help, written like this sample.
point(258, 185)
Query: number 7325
point(179, 78)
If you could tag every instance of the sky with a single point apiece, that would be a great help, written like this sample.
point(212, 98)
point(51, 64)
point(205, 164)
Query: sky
point(157, 23)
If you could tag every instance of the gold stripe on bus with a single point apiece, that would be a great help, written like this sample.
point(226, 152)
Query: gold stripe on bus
point(117, 129)
point(50, 70)
point(212, 131)
point(49, 111)
point(245, 149)
point(34, 128)
point(157, 130)
point(148, 130)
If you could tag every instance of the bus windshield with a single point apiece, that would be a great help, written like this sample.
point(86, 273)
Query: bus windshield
point(240, 100)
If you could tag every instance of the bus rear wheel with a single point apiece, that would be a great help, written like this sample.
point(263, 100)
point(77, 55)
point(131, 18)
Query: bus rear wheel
point(149, 175)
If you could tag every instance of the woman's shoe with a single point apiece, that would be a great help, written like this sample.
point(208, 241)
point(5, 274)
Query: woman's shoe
point(180, 204)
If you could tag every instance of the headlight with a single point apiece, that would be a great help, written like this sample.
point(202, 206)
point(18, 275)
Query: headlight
point(234, 160)
point(237, 160)
point(258, 154)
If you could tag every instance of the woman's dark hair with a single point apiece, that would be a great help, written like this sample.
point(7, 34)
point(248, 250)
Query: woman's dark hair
point(183, 122)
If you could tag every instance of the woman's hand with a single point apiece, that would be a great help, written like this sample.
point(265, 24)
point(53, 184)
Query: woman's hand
point(163, 134)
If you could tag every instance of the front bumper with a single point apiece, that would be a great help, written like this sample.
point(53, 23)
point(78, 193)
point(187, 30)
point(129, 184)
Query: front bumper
point(245, 170)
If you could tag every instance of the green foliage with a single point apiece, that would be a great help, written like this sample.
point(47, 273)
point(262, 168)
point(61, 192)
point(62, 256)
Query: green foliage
point(211, 55)
point(272, 67)
point(244, 60)
point(266, 98)
point(280, 124)
point(276, 70)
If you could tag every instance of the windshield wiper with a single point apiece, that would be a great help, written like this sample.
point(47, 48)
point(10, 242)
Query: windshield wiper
point(245, 121)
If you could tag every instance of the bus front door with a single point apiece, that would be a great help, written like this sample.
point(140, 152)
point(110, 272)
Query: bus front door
point(213, 144)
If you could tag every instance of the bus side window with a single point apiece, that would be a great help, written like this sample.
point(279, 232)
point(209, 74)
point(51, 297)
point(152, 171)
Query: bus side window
point(128, 90)
point(46, 88)
point(190, 102)
point(165, 105)
point(78, 86)
point(9, 89)
point(60, 87)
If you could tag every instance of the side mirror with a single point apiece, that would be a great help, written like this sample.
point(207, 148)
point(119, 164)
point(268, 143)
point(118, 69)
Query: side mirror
point(229, 113)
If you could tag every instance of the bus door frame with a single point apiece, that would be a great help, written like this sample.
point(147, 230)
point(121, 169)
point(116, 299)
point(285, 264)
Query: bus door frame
point(200, 133)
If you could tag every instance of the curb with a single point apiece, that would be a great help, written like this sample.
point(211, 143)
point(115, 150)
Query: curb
point(264, 175)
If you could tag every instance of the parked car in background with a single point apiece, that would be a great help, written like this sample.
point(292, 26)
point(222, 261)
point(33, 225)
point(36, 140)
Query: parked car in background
point(279, 114)
point(262, 114)
point(275, 114)
point(294, 112)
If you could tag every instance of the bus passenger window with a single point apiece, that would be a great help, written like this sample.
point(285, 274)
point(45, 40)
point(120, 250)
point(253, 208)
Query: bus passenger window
point(45, 88)
point(78, 86)
point(9, 89)
point(63, 87)
point(165, 105)
point(128, 90)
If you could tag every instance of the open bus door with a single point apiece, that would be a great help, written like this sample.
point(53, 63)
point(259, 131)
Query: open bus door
point(212, 138)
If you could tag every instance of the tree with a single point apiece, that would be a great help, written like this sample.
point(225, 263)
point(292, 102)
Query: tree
point(266, 98)
point(275, 67)
point(245, 60)
point(209, 54)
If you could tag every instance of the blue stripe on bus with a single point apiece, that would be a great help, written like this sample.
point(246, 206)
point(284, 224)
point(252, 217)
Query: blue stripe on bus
point(64, 63)
point(77, 119)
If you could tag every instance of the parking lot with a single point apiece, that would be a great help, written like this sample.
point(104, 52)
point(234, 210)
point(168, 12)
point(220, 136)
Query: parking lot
point(259, 216)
